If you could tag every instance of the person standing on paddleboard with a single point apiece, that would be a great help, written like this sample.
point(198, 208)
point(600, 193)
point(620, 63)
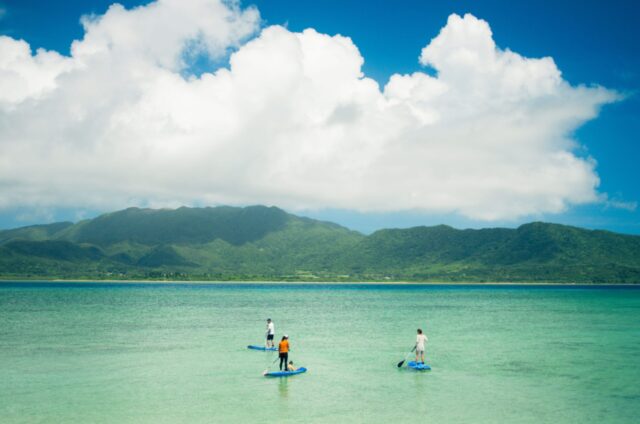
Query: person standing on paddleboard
point(271, 330)
point(283, 351)
point(421, 339)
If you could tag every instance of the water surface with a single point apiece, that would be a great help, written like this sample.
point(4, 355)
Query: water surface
point(168, 353)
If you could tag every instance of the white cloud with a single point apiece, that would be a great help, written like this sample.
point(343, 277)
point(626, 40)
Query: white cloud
point(23, 75)
point(292, 121)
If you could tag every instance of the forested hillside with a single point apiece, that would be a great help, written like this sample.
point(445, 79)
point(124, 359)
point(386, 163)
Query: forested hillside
point(266, 243)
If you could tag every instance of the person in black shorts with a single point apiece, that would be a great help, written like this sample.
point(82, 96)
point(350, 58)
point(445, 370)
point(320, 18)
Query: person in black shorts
point(270, 333)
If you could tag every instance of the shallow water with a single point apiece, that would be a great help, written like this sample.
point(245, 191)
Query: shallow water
point(158, 353)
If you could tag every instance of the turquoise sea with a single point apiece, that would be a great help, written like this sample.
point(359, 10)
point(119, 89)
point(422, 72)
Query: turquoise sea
point(176, 353)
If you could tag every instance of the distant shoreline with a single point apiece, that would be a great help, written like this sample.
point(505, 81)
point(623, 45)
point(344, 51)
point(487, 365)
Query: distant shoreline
point(336, 283)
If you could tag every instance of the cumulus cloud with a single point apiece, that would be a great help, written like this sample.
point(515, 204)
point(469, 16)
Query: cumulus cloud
point(292, 121)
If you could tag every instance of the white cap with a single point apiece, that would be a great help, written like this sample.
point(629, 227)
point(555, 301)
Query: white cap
point(286, 336)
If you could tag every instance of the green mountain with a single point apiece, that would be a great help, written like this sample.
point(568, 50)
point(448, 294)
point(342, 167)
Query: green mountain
point(262, 243)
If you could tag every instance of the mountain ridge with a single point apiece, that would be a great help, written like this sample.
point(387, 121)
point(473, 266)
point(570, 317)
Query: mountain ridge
point(267, 243)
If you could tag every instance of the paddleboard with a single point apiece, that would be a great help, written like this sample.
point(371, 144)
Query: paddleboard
point(254, 347)
point(418, 366)
point(285, 373)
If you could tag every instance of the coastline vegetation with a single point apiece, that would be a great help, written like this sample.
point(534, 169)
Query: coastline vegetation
point(267, 244)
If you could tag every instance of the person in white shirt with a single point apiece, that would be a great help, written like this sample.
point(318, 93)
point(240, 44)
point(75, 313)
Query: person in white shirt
point(271, 330)
point(420, 342)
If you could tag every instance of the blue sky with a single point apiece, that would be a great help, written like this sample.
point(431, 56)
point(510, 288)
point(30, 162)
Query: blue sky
point(593, 44)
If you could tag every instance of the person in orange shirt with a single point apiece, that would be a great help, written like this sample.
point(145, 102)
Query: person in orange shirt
point(283, 350)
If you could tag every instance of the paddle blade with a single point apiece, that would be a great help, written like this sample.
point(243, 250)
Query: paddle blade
point(401, 363)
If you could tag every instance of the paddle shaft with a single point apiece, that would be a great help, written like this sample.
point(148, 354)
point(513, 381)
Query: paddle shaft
point(274, 361)
point(401, 363)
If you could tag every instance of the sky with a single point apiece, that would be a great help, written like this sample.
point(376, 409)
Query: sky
point(371, 114)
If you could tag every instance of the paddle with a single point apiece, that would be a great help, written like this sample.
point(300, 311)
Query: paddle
point(270, 365)
point(401, 363)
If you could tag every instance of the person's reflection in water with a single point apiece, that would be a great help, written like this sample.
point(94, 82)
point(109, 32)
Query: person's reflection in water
point(421, 391)
point(283, 388)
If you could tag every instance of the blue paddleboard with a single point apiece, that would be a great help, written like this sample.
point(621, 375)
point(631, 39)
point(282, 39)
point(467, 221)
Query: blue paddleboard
point(254, 347)
point(285, 373)
point(418, 366)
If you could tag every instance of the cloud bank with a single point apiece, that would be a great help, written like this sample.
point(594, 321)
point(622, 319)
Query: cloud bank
point(292, 121)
